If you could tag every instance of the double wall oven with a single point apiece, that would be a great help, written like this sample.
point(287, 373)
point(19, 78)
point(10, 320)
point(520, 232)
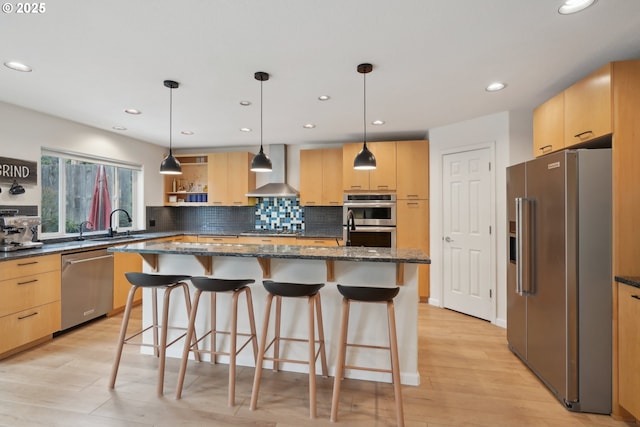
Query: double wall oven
point(374, 218)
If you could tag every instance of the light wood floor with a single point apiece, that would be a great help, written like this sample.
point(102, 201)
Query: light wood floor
point(469, 378)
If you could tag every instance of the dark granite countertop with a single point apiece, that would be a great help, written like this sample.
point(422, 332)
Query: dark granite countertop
point(91, 243)
point(631, 281)
point(335, 253)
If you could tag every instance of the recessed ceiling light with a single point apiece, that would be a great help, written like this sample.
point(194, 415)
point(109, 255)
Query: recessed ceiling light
point(119, 128)
point(18, 66)
point(324, 97)
point(186, 132)
point(573, 6)
point(377, 122)
point(309, 126)
point(132, 111)
point(245, 103)
point(496, 86)
point(245, 129)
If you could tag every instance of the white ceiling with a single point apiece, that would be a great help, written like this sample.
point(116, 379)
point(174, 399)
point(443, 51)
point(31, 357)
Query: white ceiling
point(432, 60)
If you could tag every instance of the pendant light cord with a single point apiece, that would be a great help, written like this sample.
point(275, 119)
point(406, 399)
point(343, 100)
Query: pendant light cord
point(170, 119)
point(261, 116)
point(364, 118)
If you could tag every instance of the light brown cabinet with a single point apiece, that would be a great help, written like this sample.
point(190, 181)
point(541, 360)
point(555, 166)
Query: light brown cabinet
point(587, 108)
point(188, 188)
point(625, 81)
point(230, 178)
point(266, 240)
point(412, 231)
point(412, 170)
point(321, 177)
point(218, 239)
point(123, 263)
point(383, 178)
point(629, 348)
point(317, 241)
point(548, 126)
point(29, 301)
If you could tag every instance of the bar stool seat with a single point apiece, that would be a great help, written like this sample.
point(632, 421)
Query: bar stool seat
point(280, 290)
point(154, 282)
point(215, 286)
point(366, 294)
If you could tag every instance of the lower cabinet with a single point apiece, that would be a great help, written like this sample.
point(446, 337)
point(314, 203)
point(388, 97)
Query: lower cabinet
point(629, 348)
point(320, 241)
point(217, 239)
point(29, 301)
point(123, 263)
point(413, 232)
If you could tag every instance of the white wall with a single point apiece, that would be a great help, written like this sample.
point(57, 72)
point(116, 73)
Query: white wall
point(24, 132)
point(501, 131)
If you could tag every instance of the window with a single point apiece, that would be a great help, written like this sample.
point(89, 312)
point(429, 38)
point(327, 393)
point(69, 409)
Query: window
point(81, 190)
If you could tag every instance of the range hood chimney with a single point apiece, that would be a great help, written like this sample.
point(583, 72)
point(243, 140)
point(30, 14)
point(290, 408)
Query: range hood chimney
point(277, 186)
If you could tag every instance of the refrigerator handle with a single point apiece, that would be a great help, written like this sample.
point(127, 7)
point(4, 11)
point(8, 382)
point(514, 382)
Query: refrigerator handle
point(519, 245)
point(523, 249)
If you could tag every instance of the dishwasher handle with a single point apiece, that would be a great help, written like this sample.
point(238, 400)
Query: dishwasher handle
point(81, 260)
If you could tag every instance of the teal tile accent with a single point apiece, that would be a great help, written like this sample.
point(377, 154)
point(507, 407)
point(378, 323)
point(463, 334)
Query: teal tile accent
point(279, 213)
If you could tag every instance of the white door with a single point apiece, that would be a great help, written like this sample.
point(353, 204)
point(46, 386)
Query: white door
point(467, 197)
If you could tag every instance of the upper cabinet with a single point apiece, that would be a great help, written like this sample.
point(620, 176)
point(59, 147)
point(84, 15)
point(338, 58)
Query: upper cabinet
point(383, 178)
point(413, 170)
point(587, 108)
point(321, 177)
point(219, 179)
point(190, 187)
point(580, 114)
point(230, 178)
point(548, 126)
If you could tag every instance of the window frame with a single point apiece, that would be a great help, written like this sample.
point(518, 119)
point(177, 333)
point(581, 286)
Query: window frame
point(137, 188)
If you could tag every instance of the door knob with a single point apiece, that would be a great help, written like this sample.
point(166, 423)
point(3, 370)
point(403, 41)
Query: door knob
point(448, 239)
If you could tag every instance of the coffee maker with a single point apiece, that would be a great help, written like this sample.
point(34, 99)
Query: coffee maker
point(18, 231)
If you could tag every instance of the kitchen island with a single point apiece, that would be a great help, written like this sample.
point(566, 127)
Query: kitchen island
point(359, 266)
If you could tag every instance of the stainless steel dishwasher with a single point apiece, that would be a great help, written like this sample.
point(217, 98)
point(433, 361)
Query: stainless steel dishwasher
point(87, 286)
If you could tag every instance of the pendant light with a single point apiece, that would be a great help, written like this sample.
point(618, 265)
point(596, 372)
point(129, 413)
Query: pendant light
point(260, 162)
point(170, 165)
point(365, 160)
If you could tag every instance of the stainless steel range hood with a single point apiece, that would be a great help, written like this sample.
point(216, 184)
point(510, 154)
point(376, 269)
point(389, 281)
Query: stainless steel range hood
point(277, 186)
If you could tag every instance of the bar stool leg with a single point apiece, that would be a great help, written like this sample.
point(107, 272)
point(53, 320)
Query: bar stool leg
point(187, 343)
point(311, 301)
point(276, 343)
point(214, 340)
point(263, 344)
point(194, 337)
point(323, 353)
point(154, 311)
point(122, 337)
point(163, 339)
point(342, 352)
point(232, 351)
point(395, 364)
point(252, 323)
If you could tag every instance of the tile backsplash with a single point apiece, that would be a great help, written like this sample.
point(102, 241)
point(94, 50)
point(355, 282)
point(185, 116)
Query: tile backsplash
point(279, 213)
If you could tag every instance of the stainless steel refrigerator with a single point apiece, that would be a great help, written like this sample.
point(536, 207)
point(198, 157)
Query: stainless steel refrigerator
point(559, 274)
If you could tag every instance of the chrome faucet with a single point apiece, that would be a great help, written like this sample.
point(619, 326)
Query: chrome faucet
point(350, 227)
point(83, 225)
point(110, 234)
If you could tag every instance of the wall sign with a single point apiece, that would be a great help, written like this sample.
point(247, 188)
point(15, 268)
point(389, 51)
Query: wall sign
point(23, 171)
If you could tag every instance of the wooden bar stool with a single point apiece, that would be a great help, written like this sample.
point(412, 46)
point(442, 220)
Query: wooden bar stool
point(371, 295)
point(279, 290)
point(215, 286)
point(154, 282)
